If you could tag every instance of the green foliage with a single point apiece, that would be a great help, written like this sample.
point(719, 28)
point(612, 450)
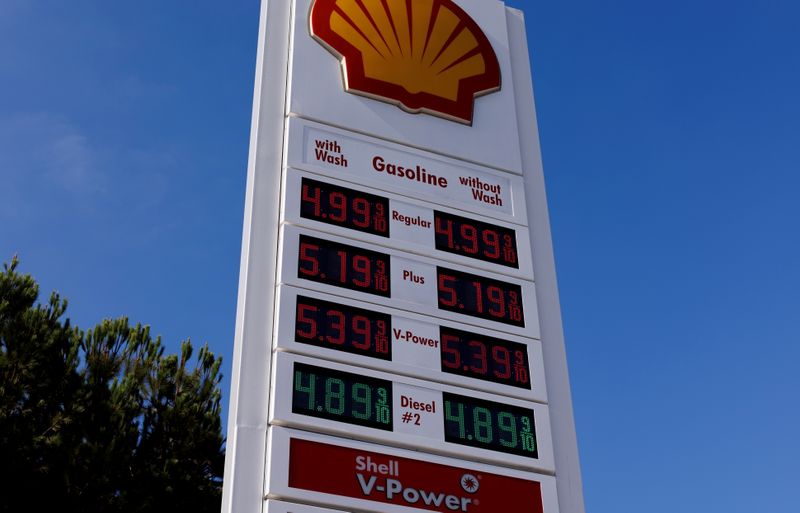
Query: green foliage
point(101, 420)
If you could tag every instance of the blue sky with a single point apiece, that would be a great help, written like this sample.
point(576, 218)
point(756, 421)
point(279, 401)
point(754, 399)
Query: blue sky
point(671, 144)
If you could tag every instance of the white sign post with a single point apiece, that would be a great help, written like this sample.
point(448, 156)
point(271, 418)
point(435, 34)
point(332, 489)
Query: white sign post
point(398, 338)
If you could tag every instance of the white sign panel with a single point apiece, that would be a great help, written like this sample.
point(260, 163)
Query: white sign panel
point(385, 276)
point(419, 174)
point(350, 210)
point(373, 336)
point(397, 410)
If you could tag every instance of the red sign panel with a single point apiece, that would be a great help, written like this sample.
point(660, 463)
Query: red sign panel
point(406, 482)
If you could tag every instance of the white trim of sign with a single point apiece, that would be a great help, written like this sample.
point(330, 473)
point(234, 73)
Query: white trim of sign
point(446, 181)
point(406, 294)
point(568, 471)
point(418, 237)
point(246, 441)
point(278, 478)
point(273, 506)
point(420, 361)
point(425, 432)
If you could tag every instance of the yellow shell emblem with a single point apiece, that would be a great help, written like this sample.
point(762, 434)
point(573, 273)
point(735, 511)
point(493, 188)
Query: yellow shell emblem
point(422, 55)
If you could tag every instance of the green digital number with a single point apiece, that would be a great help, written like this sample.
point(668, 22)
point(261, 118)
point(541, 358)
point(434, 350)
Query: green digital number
point(508, 425)
point(528, 437)
point(362, 394)
point(458, 418)
point(308, 390)
point(337, 395)
point(384, 413)
point(482, 422)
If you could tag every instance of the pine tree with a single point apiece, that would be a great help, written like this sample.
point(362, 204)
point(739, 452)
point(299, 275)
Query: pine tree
point(102, 420)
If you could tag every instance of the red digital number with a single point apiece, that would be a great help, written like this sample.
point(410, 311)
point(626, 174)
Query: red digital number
point(361, 326)
point(382, 338)
point(497, 300)
point(478, 286)
point(308, 320)
point(339, 202)
point(480, 355)
point(361, 264)
point(502, 356)
point(361, 208)
point(447, 294)
point(492, 241)
point(450, 345)
point(308, 256)
point(469, 234)
point(313, 198)
point(445, 227)
point(336, 321)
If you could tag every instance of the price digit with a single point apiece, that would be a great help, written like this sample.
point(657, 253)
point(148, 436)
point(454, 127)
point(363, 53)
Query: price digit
point(450, 345)
point(457, 418)
point(482, 423)
point(309, 390)
point(306, 322)
point(313, 198)
point(470, 234)
point(480, 355)
point(309, 265)
point(334, 391)
point(502, 357)
point(336, 323)
point(362, 394)
point(361, 207)
point(508, 425)
point(492, 241)
point(339, 202)
point(363, 328)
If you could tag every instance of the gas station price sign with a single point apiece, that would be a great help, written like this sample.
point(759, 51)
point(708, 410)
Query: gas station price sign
point(351, 331)
point(388, 277)
point(327, 204)
point(403, 411)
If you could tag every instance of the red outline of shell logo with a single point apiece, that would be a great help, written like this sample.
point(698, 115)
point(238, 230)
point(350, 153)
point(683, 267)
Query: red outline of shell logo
point(421, 55)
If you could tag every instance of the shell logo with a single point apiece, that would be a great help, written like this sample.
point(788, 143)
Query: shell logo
point(421, 55)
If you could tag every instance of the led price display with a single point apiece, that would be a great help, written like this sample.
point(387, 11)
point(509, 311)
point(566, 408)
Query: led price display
point(342, 265)
point(342, 396)
point(484, 357)
point(345, 207)
point(475, 239)
point(489, 425)
point(344, 328)
point(480, 296)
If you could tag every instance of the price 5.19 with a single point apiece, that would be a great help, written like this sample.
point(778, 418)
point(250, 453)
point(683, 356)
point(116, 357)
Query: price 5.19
point(343, 266)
